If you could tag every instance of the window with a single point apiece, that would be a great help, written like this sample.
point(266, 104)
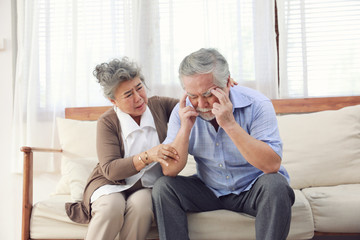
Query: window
point(186, 26)
point(319, 47)
point(74, 36)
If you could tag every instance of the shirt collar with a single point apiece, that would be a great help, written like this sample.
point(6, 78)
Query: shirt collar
point(238, 99)
point(129, 125)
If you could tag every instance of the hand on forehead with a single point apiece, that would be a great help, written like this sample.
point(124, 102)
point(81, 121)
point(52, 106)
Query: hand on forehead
point(220, 94)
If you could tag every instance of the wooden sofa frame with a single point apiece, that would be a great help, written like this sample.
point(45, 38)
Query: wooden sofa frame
point(282, 106)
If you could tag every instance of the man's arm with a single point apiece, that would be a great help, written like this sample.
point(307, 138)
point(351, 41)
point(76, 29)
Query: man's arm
point(187, 116)
point(256, 152)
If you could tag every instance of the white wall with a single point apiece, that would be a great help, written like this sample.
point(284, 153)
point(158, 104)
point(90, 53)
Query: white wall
point(10, 183)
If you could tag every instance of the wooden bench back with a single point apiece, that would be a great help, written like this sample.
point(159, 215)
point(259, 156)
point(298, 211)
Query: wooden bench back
point(282, 106)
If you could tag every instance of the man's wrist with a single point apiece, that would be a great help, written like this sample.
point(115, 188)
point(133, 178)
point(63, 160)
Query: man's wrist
point(230, 126)
point(184, 131)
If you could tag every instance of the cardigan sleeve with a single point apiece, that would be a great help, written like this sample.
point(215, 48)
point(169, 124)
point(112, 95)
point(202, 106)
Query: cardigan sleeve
point(110, 150)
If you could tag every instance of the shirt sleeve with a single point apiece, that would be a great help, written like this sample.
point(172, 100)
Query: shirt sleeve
point(264, 126)
point(174, 125)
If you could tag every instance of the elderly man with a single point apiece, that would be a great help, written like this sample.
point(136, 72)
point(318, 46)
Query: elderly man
point(233, 135)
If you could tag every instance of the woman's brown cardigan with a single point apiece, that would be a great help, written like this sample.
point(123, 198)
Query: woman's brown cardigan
point(113, 168)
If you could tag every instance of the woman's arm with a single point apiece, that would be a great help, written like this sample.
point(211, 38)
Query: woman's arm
point(110, 150)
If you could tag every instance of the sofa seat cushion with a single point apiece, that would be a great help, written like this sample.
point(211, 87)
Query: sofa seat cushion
point(335, 209)
point(223, 224)
point(49, 220)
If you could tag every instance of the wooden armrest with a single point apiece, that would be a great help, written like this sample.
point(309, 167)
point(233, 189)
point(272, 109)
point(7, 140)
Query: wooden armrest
point(28, 187)
point(36, 149)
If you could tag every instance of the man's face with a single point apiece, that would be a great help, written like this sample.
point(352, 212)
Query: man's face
point(198, 88)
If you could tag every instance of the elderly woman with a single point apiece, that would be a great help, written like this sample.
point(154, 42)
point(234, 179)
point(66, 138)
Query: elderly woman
point(117, 197)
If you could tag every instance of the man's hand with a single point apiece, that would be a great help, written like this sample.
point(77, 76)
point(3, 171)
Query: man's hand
point(187, 114)
point(223, 110)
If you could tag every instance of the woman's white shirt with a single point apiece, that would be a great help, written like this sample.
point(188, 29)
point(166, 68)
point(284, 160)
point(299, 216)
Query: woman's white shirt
point(136, 139)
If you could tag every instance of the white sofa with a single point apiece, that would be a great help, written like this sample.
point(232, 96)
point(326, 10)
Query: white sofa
point(321, 154)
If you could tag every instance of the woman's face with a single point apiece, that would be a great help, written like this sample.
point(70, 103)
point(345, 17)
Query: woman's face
point(130, 97)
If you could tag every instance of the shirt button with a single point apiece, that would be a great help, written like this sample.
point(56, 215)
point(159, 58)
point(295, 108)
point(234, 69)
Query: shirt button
point(220, 165)
point(227, 177)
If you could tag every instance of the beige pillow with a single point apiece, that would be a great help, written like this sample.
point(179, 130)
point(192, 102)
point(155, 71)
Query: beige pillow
point(323, 148)
point(190, 167)
point(78, 171)
point(77, 138)
point(78, 141)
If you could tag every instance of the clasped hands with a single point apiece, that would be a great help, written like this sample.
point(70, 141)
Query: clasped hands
point(162, 154)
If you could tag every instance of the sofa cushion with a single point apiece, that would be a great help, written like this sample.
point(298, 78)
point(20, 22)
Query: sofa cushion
point(335, 209)
point(77, 138)
point(319, 146)
point(49, 220)
point(49, 213)
point(78, 171)
point(205, 225)
point(78, 142)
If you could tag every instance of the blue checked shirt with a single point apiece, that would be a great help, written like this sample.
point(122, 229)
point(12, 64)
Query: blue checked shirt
point(220, 165)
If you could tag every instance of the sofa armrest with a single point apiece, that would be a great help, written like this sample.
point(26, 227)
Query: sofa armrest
point(28, 187)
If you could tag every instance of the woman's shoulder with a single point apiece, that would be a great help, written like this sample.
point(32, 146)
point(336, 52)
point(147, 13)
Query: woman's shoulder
point(162, 99)
point(156, 101)
point(108, 116)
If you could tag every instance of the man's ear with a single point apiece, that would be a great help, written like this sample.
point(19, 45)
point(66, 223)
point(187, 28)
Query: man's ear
point(228, 84)
point(112, 101)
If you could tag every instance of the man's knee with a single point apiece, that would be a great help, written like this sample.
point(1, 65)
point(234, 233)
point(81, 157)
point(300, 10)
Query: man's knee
point(162, 185)
point(274, 185)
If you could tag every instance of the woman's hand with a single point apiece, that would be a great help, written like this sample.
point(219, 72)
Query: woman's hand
point(167, 153)
point(162, 154)
point(232, 82)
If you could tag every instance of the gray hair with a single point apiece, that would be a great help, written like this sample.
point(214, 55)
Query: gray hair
point(110, 75)
point(204, 61)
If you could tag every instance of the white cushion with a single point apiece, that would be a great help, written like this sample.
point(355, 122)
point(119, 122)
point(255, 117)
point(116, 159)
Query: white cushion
point(335, 209)
point(49, 220)
point(62, 187)
point(78, 141)
point(78, 170)
point(77, 138)
point(190, 167)
point(205, 225)
point(322, 149)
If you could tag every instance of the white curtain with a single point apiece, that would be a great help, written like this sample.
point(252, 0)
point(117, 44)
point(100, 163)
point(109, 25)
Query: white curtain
point(60, 43)
point(319, 48)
